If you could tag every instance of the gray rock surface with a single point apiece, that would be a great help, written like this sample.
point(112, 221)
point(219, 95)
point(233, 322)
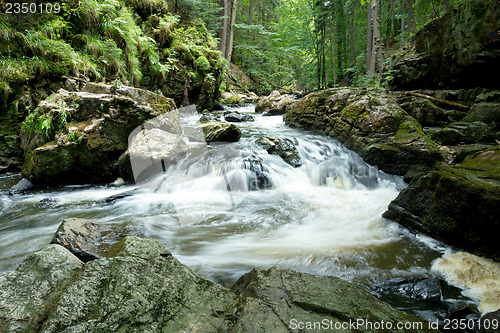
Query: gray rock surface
point(86, 148)
point(217, 131)
point(284, 148)
point(275, 103)
point(143, 288)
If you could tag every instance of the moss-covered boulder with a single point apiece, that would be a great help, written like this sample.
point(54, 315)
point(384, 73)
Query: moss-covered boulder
point(423, 110)
point(486, 112)
point(459, 205)
point(454, 51)
point(217, 131)
point(77, 137)
point(299, 298)
point(370, 122)
point(143, 288)
point(28, 293)
point(282, 147)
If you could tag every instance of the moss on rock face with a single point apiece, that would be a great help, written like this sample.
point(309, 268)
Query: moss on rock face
point(459, 205)
point(143, 288)
point(370, 122)
point(217, 131)
point(98, 124)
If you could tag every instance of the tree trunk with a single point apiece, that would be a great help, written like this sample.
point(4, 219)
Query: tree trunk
point(250, 12)
point(369, 38)
point(389, 24)
point(223, 32)
point(377, 61)
point(411, 16)
point(352, 56)
point(229, 51)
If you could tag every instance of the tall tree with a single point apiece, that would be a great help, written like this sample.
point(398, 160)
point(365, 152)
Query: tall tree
point(223, 32)
point(377, 38)
point(369, 38)
point(412, 27)
point(352, 56)
point(229, 50)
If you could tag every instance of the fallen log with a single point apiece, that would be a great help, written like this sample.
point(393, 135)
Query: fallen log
point(440, 102)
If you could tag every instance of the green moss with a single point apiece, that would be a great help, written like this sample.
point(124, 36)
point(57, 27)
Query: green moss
point(352, 112)
point(484, 167)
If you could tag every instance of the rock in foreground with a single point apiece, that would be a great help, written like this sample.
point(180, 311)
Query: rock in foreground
point(299, 298)
point(144, 288)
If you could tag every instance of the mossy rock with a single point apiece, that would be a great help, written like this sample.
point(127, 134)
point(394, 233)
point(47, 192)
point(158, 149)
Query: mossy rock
point(217, 131)
point(143, 287)
point(486, 112)
point(284, 148)
point(100, 120)
point(370, 122)
point(459, 205)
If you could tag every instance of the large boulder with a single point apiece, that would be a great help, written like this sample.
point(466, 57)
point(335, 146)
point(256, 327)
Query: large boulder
point(454, 51)
point(89, 131)
point(143, 288)
point(152, 151)
point(370, 122)
point(284, 148)
point(459, 205)
point(486, 112)
point(298, 299)
point(423, 110)
point(28, 293)
point(275, 103)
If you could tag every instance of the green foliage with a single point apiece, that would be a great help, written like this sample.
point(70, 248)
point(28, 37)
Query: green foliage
point(45, 124)
point(202, 63)
point(75, 137)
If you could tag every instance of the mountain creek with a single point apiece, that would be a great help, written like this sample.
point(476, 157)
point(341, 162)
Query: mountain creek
point(224, 216)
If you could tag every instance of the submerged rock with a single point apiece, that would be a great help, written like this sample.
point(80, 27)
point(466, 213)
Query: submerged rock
point(459, 205)
point(418, 289)
point(275, 103)
point(284, 148)
point(22, 186)
point(235, 117)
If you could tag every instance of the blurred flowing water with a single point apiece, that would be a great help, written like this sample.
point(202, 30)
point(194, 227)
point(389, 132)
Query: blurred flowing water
point(322, 218)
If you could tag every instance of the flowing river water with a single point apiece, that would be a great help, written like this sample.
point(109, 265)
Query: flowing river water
point(323, 217)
